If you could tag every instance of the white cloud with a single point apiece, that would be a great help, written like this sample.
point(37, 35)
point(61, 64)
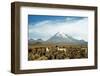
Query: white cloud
point(45, 29)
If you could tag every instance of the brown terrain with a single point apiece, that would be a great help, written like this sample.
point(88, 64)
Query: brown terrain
point(56, 51)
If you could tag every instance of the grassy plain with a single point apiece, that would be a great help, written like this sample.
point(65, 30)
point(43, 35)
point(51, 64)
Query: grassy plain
point(56, 51)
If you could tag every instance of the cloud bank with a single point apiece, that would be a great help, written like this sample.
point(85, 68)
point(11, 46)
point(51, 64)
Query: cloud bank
point(77, 28)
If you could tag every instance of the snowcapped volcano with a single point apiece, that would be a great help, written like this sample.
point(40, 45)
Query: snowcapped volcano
point(64, 38)
point(58, 38)
point(59, 34)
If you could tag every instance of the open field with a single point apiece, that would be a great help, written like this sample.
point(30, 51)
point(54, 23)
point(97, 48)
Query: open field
point(56, 51)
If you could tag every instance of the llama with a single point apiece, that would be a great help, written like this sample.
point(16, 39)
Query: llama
point(61, 48)
point(47, 49)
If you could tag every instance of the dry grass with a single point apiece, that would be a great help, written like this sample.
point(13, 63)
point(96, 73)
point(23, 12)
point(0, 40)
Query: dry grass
point(39, 52)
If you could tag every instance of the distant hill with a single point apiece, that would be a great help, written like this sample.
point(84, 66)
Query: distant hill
point(32, 41)
point(59, 38)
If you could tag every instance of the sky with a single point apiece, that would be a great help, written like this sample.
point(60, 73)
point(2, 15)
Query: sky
point(45, 26)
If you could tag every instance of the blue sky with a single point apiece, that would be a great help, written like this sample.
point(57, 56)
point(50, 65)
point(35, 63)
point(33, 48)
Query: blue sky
point(33, 19)
point(43, 26)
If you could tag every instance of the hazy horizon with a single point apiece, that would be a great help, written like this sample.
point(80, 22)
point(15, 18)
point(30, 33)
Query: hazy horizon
point(43, 27)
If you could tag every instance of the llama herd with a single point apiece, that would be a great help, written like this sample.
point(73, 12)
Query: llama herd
point(57, 52)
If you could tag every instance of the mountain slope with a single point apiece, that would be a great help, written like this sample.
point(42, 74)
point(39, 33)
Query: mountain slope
point(64, 38)
point(58, 38)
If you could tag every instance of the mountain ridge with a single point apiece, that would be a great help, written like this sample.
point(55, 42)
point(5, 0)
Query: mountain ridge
point(60, 38)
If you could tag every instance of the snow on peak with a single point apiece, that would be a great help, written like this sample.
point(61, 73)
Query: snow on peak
point(60, 34)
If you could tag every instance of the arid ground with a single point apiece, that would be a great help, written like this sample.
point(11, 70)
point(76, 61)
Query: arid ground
point(56, 51)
